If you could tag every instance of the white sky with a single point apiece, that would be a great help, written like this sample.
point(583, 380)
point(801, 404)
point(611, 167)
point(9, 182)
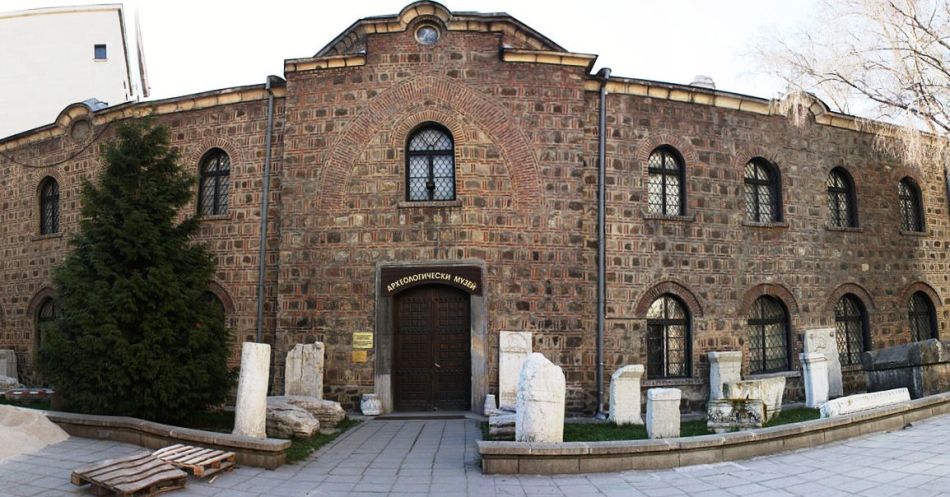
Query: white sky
point(200, 45)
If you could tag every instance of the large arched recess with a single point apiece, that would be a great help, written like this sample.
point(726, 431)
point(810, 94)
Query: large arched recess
point(490, 117)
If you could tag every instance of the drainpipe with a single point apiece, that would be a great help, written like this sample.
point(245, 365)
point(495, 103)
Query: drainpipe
point(265, 200)
point(604, 75)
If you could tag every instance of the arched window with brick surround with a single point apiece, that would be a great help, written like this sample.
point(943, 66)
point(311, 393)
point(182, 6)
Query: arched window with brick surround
point(49, 206)
point(768, 336)
point(214, 191)
point(430, 164)
point(922, 316)
point(668, 338)
point(842, 210)
point(666, 191)
point(763, 192)
point(912, 215)
point(851, 329)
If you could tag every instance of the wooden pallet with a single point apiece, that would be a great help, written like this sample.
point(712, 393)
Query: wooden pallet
point(198, 461)
point(138, 475)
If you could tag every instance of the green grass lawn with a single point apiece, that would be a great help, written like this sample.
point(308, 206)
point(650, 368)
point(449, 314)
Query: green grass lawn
point(604, 432)
point(301, 448)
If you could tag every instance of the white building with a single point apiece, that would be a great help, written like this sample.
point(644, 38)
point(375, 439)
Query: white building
point(53, 57)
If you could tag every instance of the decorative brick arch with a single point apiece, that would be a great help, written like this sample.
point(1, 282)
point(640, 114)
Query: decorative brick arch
point(652, 142)
point(853, 288)
point(32, 310)
point(771, 289)
point(671, 287)
point(191, 158)
point(918, 286)
point(219, 291)
point(490, 117)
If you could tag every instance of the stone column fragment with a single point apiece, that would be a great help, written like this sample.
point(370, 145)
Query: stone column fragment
point(823, 341)
point(514, 347)
point(539, 415)
point(250, 411)
point(625, 395)
point(724, 367)
point(303, 370)
point(815, 367)
point(663, 412)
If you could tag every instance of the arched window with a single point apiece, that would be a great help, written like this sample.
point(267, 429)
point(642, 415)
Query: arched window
point(49, 206)
point(45, 314)
point(666, 189)
point(912, 216)
point(850, 329)
point(215, 183)
point(763, 194)
point(841, 199)
point(668, 338)
point(430, 164)
point(768, 336)
point(923, 318)
point(213, 299)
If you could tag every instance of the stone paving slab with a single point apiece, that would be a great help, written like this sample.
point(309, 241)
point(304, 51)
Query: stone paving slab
point(439, 458)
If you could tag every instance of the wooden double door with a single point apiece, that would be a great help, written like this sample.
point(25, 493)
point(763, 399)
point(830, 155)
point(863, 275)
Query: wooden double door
point(432, 368)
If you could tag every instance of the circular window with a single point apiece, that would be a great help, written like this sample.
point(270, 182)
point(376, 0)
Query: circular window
point(81, 130)
point(427, 34)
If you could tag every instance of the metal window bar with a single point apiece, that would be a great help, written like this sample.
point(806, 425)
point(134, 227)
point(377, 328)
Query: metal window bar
point(49, 207)
point(768, 336)
point(909, 199)
point(666, 183)
point(839, 200)
point(921, 316)
point(760, 193)
point(215, 184)
point(430, 166)
point(850, 330)
point(668, 339)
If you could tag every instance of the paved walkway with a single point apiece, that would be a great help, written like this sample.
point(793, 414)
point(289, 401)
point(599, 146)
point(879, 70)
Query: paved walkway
point(439, 458)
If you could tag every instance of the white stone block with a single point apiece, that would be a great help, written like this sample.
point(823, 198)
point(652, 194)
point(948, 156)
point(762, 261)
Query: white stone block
point(539, 414)
point(370, 405)
point(303, 370)
point(663, 412)
point(768, 390)
point(250, 410)
point(625, 395)
point(863, 402)
point(514, 348)
point(815, 368)
point(725, 415)
point(823, 341)
point(8, 364)
point(285, 420)
point(490, 406)
point(724, 367)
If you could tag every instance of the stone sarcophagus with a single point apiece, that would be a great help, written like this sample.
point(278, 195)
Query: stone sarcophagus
point(768, 390)
point(921, 367)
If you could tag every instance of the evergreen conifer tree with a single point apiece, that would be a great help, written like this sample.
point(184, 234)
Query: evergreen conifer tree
point(135, 335)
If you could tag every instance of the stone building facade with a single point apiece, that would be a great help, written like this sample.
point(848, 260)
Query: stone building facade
point(434, 182)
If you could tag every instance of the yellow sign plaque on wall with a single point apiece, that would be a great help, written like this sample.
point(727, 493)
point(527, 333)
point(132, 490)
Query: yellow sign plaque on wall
point(363, 340)
point(359, 356)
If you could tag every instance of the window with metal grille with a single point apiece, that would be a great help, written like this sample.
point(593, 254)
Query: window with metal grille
point(923, 319)
point(49, 207)
point(912, 217)
point(851, 329)
point(45, 315)
point(768, 336)
point(668, 338)
point(214, 189)
point(430, 164)
point(841, 200)
point(762, 192)
point(666, 190)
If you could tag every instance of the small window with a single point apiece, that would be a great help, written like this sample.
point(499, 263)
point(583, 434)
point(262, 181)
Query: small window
point(49, 207)
point(923, 318)
point(44, 315)
point(100, 52)
point(851, 330)
point(762, 192)
point(214, 190)
point(841, 200)
point(768, 336)
point(912, 216)
point(668, 339)
point(218, 306)
point(666, 190)
point(430, 165)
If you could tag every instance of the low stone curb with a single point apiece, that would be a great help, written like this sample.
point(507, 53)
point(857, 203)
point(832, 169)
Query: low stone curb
point(594, 457)
point(268, 453)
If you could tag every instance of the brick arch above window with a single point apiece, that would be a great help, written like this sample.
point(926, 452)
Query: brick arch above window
point(489, 116)
point(853, 288)
point(674, 288)
point(772, 289)
point(38, 299)
point(651, 143)
point(919, 286)
point(223, 296)
point(193, 153)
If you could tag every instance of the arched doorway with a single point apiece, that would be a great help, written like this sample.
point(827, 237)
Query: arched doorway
point(432, 349)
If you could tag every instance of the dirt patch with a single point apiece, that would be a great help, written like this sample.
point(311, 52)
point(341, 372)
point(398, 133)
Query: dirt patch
point(24, 431)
